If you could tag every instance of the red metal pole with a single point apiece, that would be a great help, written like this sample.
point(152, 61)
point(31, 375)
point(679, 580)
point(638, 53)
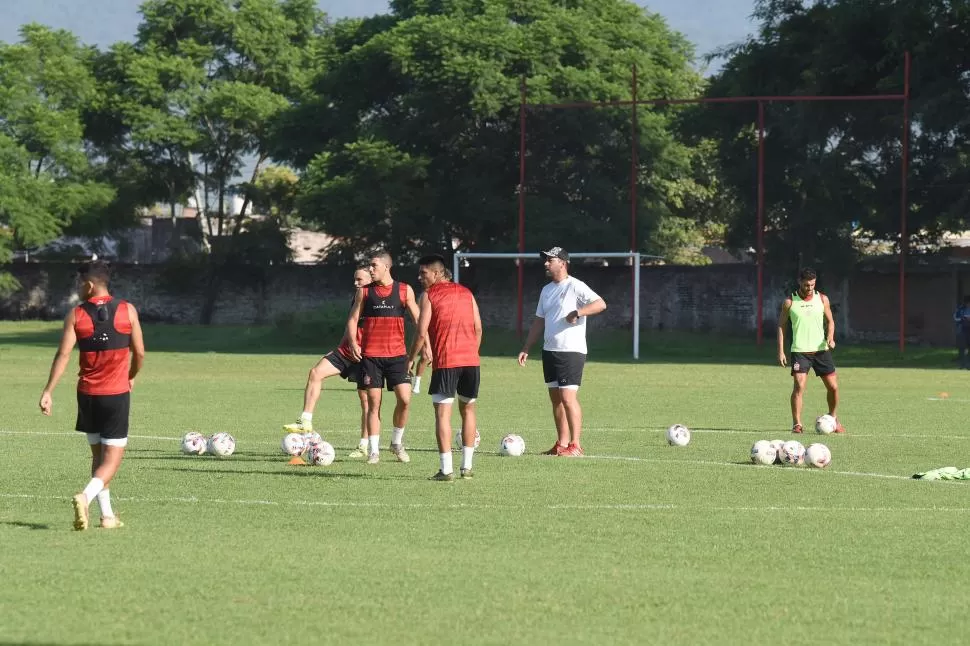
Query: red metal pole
point(634, 171)
point(904, 206)
point(521, 264)
point(761, 218)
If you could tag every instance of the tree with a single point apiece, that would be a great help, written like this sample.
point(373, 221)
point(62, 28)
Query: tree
point(46, 180)
point(424, 153)
point(834, 169)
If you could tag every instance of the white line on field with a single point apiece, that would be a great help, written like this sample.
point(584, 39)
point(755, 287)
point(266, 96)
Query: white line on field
point(589, 507)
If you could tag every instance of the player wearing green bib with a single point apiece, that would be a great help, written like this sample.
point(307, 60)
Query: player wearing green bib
point(813, 338)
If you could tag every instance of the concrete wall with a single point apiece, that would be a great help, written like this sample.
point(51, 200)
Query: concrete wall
point(717, 298)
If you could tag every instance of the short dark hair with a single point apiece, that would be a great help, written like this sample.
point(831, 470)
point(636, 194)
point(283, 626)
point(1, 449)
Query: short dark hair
point(807, 274)
point(96, 271)
point(434, 261)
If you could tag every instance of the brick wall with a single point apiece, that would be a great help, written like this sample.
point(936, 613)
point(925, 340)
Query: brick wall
point(718, 298)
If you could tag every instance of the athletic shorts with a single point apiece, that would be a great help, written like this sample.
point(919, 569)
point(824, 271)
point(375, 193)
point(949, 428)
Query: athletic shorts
point(105, 415)
point(375, 372)
point(563, 369)
point(820, 362)
point(349, 370)
point(447, 382)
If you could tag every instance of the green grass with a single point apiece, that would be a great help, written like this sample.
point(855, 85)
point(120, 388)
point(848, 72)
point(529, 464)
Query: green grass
point(642, 544)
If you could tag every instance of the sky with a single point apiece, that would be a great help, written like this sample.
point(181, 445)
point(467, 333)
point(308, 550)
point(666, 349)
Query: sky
point(707, 23)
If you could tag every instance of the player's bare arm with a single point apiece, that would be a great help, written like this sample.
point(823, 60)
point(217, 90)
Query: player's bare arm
point(137, 346)
point(478, 323)
point(829, 322)
point(590, 309)
point(424, 323)
point(59, 364)
point(352, 320)
point(412, 307)
point(782, 323)
point(535, 331)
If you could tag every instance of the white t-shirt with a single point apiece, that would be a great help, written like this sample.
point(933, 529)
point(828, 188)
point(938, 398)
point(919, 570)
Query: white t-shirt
point(556, 301)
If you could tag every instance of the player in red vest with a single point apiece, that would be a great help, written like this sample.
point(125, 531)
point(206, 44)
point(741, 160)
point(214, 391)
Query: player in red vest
point(109, 336)
point(451, 323)
point(382, 351)
point(336, 362)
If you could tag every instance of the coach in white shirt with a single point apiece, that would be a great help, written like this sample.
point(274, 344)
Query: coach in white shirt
point(563, 307)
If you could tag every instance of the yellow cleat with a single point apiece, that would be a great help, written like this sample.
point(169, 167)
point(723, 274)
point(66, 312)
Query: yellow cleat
point(299, 427)
point(80, 512)
point(111, 522)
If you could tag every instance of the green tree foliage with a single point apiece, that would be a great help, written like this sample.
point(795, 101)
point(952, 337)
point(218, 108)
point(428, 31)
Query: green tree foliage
point(46, 180)
point(411, 137)
point(833, 169)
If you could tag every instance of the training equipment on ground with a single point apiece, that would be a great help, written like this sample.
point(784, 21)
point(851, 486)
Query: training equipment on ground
point(793, 453)
point(512, 445)
point(818, 456)
point(222, 445)
point(763, 452)
point(779, 445)
point(293, 444)
point(320, 454)
point(678, 435)
point(312, 436)
point(459, 441)
point(193, 443)
point(826, 424)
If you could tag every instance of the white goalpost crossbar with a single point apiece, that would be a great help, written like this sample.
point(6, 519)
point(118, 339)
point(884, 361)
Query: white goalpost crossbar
point(635, 257)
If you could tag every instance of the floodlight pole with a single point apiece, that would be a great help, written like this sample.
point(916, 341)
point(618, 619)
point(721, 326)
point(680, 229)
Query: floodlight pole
point(521, 268)
point(904, 206)
point(634, 168)
point(760, 226)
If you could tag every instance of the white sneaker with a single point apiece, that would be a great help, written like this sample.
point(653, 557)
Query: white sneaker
point(373, 458)
point(400, 453)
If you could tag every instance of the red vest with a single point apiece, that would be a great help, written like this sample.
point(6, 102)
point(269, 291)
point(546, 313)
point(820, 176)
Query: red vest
point(383, 312)
point(453, 338)
point(103, 332)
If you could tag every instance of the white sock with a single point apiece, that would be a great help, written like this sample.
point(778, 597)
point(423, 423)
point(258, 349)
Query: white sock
point(446, 466)
point(306, 417)
point(467, 452)
point(374, 444)
point(397, 436)
point(93, 489)
point(104, 501)
point(363, 443)
point(417, 384)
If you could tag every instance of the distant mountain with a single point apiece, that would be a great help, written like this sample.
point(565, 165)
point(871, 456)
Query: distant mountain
point(709, 24)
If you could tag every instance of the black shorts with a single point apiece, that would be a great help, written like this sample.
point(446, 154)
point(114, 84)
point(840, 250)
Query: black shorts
point(106, 415)
point(464, 381)
point(375, 372)
point(820, 362)
point(563, 369)
point(349, 370)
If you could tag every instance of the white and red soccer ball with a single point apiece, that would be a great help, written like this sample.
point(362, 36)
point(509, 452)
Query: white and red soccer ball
point(511, 445)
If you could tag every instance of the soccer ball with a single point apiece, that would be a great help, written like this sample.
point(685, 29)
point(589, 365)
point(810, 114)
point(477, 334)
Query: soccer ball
point(294, 444)
point(678, 435)
point(320, 454)
point(222, 445)
point(193, 443)
point(763, 452)
point(793, 453)
point(779, 445)
point(459, 441)
point(312, 436)
point(818, 455)
point(825, 424)
point(512, 445)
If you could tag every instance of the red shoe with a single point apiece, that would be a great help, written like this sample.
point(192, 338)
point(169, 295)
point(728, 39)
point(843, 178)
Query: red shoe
point(838, 427)
point(797, 428)
point(557, 449)
point(572, 451)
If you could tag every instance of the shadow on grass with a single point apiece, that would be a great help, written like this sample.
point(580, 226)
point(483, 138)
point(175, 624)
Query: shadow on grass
point(25, 525)
point(605, 346)
point(301, 472)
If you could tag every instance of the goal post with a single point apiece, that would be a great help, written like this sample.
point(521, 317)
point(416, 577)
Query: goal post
point(633, 256)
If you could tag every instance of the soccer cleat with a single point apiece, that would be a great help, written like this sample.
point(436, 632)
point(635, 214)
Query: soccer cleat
point(400, 453)
point(467, 474)
point(557, 449)
point(796, 428)
point(373, 458)
point(80, 512)
point(443, 477)
point(111, 522)
point(572, 451)
point(358, 453)
point(301, 426)
point(838, 427)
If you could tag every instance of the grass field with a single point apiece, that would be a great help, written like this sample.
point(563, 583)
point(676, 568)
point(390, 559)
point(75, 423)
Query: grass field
point(639, 543)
